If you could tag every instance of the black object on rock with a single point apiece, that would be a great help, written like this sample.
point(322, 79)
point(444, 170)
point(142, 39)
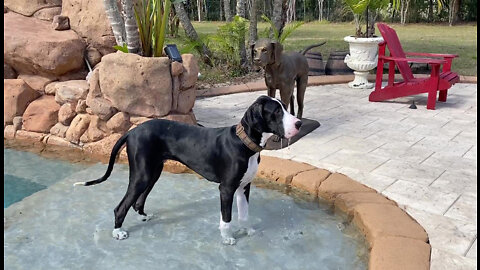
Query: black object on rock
point(413, 106)
point(173, 53)
point(275, 143)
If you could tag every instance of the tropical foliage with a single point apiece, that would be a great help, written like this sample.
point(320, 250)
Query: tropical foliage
point(152, 19)
point(225, 44)
point(287, 30)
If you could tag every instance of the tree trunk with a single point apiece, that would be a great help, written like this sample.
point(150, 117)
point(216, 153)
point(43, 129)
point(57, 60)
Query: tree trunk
point(241, 41)
point(131, 28)
point(221, 10)
point(191, 33)
point(372, 18)
point(279, 14)
point(291, 16)
point(430, 11)
point(252, 30)
point(205, 11)
point(454, 6)
point(228, 13)
point(320, 10)
point(116, 21)
point(241, 8)
point(404, 11)
point(304, 10)
point(253, 35)
point(199, 10)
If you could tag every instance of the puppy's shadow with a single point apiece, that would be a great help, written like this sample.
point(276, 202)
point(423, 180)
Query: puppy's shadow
point(183, 213)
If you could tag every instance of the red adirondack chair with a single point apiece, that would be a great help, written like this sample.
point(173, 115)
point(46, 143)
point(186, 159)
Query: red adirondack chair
point(439, 80)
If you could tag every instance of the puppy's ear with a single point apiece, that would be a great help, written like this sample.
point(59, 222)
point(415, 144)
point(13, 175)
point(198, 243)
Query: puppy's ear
point(253, 117)
point(277, 49)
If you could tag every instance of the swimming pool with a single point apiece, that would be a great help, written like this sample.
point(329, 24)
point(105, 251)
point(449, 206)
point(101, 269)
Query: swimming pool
point(26, 173)
point(66, 227)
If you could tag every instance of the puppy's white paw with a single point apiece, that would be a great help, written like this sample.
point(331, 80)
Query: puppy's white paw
point(145, 218)
point(229, 241)
point(119, 234)
point(250, 231)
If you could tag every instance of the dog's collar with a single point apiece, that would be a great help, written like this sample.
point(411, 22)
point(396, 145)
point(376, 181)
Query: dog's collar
point(246, 140)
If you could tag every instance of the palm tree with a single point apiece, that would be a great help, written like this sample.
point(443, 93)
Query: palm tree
point(228, 13)
point(124, 29)
point(116, 21)
point(279, 14)
point(191, 33)
point(252, 29)
point(241, 44)
point(131, 28)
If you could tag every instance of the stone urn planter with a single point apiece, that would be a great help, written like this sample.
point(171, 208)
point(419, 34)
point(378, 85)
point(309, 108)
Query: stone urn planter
point(362, 58)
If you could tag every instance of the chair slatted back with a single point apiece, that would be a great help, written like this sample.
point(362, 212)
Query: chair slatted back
point(396, 50)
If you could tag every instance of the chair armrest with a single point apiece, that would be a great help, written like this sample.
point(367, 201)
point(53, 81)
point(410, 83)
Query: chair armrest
point(413, 60)
point(431, 54)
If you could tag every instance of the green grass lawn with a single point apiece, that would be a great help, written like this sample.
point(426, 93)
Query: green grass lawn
point(432, 38)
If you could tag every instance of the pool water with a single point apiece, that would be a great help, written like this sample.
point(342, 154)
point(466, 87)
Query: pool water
point(66, 227)
point(26, 173)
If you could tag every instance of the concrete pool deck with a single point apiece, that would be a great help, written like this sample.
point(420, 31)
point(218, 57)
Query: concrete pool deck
point(424, 160)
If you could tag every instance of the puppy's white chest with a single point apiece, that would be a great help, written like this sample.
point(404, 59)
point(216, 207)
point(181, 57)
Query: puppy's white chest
point(251, 170)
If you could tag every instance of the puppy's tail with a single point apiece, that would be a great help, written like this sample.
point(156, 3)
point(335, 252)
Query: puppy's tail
point(113, 156)
point(311, 47)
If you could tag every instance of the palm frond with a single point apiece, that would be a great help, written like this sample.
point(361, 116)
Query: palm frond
point(288, 30)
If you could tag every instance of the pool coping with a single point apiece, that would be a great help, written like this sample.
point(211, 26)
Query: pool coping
point(395, 239)
point(260, 85)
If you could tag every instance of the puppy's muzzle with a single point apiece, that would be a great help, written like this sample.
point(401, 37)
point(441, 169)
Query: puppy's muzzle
point(257, 65)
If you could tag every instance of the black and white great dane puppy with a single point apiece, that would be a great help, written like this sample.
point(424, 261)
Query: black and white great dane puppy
point(228, 156)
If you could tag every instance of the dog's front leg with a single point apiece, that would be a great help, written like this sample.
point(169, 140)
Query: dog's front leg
point(242, 195)
point(226, 200)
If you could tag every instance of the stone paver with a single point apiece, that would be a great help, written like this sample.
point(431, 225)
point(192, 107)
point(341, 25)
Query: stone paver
point(433, 200)
point(424, 160)
point(472, 253)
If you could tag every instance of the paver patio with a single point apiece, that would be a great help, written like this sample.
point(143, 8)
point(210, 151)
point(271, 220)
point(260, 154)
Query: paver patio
point(425, 160)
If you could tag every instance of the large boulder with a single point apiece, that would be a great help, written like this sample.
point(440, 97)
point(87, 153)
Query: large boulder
point(97, 130)
point(31, 46)
point(59, 130)
point(66, 113)
point(16, 96)
point(190, 73)
point(186, 100)
point(119, 123)
point(29, 7)
point(70, 91)
point(89, 19)
point(137, 85)
point(38, 83)
point(104, 146)
point(78, 126)
point(95, 101)
point(41, 115)
point(47, 14)
point(9, 72)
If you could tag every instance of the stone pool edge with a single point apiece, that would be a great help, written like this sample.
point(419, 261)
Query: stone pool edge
point(396, 240)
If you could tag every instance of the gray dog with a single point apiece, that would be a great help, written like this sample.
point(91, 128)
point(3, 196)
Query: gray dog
point(282, 70)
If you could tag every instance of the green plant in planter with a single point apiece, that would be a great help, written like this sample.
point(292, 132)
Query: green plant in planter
point(152, 20)
point(367, 10)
